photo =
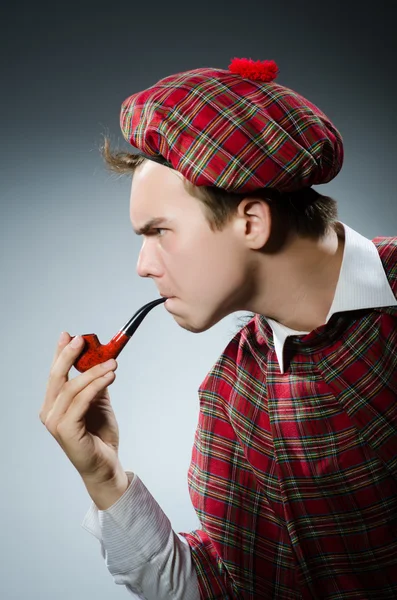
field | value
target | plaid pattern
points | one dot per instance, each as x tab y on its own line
220	129
294	476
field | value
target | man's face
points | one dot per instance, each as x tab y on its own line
204	272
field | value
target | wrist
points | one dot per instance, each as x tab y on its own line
105	494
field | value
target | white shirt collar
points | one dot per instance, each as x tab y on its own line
362	284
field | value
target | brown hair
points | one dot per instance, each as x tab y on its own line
304	212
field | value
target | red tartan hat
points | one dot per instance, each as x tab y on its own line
235	129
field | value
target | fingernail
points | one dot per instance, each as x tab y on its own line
109	363
76	341
62	337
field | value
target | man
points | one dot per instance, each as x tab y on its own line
293	472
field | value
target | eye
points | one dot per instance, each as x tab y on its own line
159	229
154	232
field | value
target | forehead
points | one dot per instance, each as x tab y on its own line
150	182
156	191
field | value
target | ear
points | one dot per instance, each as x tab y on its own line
254	221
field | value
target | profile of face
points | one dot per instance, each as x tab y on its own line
207	274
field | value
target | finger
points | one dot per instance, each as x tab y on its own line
62	342
64	358
67	356
82	402
73	388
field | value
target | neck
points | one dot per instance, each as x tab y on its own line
298	285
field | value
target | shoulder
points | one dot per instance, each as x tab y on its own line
239	360
387	249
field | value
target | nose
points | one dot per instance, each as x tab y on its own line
147	265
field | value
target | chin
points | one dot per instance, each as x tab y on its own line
195	327
198	323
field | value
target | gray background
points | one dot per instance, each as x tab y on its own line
68	252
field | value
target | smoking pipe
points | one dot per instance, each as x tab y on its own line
95	353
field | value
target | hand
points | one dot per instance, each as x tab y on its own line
79	415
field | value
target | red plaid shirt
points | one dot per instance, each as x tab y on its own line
294	475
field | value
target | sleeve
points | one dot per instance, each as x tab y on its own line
140	548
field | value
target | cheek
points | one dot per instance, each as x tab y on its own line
191	263
214	266
202	263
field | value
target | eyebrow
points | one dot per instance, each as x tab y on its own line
150	224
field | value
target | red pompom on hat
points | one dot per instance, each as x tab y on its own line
259	70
